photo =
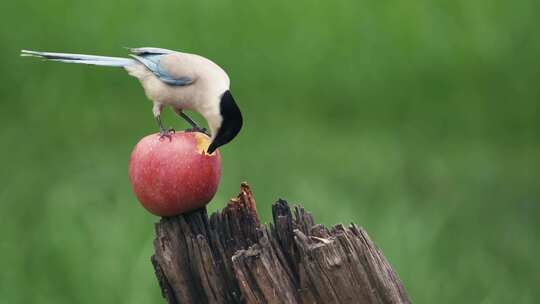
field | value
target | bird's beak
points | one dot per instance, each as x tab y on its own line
212	148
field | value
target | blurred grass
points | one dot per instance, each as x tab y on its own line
417	120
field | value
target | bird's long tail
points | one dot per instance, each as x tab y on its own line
81	58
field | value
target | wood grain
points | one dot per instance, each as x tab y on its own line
230	257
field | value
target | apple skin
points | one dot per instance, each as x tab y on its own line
170	177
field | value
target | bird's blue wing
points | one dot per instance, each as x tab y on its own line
151	61
149	51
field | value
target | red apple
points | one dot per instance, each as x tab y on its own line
173	176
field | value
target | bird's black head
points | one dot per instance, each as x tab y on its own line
231	123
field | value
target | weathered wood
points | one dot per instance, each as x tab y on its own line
232	258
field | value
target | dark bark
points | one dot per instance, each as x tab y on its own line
232	258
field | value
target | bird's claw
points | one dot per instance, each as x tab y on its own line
198	129
166	133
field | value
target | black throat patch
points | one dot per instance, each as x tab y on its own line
231	124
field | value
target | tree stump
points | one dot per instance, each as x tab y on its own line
232	258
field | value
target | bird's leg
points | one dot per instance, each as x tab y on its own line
163	132
194	126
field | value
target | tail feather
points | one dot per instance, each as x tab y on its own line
80	58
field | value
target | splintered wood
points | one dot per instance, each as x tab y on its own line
232	258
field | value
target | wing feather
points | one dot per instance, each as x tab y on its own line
152	62
149	51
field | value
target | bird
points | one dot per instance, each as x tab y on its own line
182	81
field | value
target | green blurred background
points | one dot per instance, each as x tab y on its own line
418	120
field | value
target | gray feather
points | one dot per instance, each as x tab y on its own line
152	63
149	51
80	58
